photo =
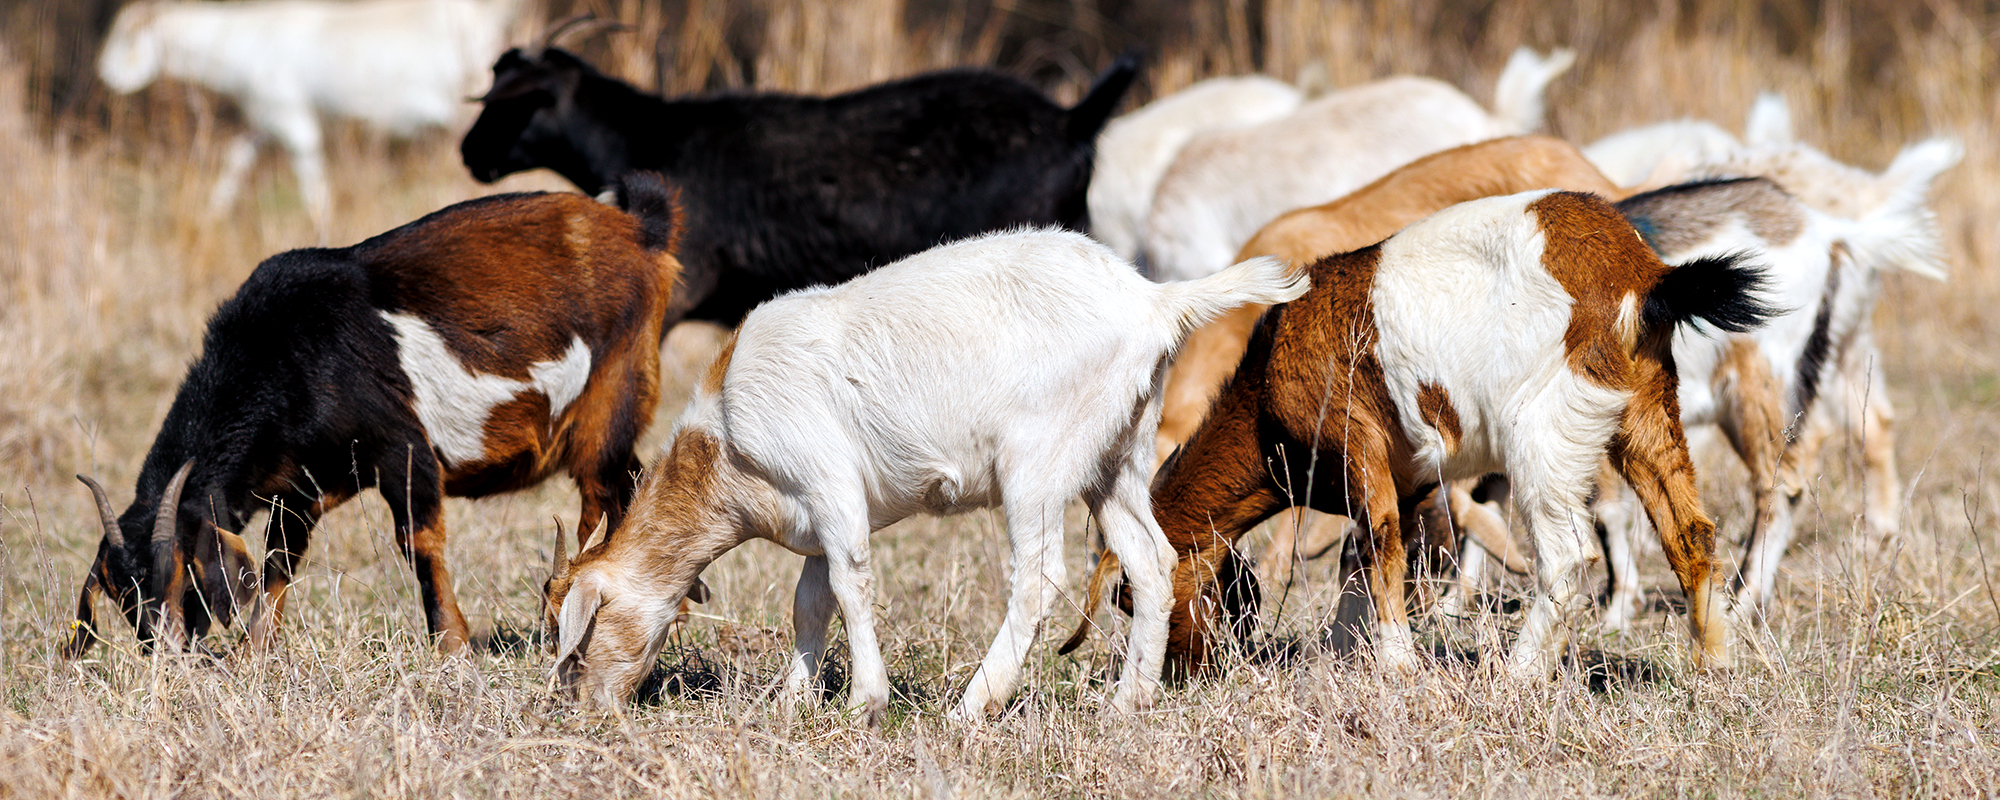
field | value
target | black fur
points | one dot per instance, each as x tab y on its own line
1720	290
1812	361
783	191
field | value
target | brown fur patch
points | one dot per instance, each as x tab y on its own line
1598	258
1364	217
1434	405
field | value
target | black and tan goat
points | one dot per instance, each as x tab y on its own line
475	351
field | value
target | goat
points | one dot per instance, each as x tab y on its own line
1135	149
398	65
1017	370
785	192
1368	215
1657	155
1528	334
472	352
1760	388
1224	185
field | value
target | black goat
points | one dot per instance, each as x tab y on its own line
474	351
785	191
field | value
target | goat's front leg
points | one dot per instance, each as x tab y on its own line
853	583
812	609
1382	559
286	533
413	483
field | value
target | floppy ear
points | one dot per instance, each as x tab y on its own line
576	620
235	576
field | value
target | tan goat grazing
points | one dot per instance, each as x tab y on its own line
1528	334
1370	214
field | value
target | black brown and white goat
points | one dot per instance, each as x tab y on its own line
475	351
1018	370
1528	334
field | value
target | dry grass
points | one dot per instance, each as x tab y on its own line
1879	673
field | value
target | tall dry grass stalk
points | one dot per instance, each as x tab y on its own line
1878	673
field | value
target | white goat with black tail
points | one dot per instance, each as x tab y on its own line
1017	370
398	65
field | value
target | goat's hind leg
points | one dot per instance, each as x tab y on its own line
1034	528
1753	420
1650	450
1135	538
237	159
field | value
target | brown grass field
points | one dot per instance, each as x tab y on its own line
1877	675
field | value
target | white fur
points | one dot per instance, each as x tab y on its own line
453	402
399	65
1891	230
1134	150
1019	370
1462	300
1225	185
1630	157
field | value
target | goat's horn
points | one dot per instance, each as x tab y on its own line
560	569
598	534
109	520
166	527
586	22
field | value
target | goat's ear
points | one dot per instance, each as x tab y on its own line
577	618
234	576
83	629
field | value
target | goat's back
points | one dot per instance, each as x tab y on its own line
1225	185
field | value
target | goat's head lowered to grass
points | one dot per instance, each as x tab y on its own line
167	562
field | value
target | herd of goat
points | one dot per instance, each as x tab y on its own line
1386	303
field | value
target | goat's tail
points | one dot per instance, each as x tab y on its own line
1188	305
1901	233
1517	96
657	206
1088	116
1724	291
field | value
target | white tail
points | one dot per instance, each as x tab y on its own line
1265	280
1902	233
1517	96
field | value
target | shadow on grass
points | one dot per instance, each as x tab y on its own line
1602	672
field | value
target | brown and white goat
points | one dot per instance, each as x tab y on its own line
475	351
1370	214
1528	334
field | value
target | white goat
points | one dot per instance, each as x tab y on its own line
1224	185
1017	370
398	65
1656	155
1815	368
1135	149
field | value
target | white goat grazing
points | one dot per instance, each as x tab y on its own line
1017	370
1224	185
1814	368
398	65
1135	149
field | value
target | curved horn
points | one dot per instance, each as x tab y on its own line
166	526
168	564
560	569
586	21
112	533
